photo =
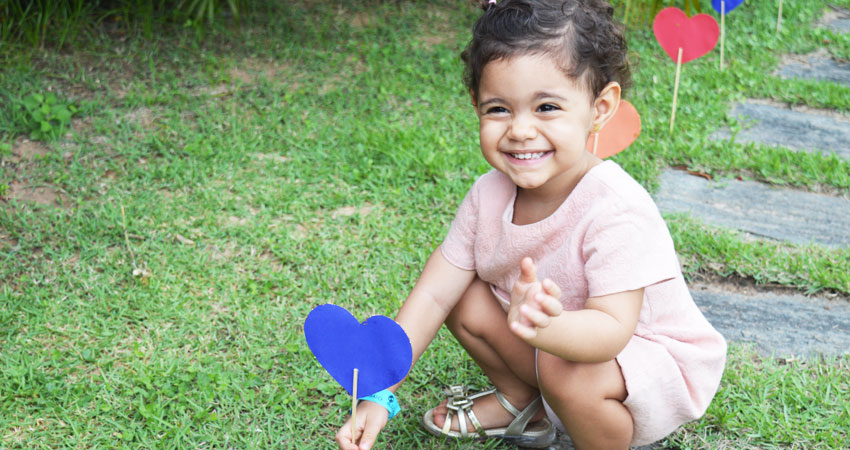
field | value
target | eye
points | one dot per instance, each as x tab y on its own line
496	110
547	107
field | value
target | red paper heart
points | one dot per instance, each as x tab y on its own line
695	36
618	133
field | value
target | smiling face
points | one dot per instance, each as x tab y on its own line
534	122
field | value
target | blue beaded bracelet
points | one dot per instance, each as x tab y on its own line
386	399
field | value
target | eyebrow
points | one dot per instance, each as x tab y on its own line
537	96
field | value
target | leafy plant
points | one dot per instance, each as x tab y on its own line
41	21
46	116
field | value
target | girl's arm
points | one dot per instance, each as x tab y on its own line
433	297
435	294
596	333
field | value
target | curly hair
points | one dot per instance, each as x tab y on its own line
581	35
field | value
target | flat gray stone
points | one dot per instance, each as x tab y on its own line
796	130
778	325
758	209
837	20
816	67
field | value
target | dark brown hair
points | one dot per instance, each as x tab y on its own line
581	35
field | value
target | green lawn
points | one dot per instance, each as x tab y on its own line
315	154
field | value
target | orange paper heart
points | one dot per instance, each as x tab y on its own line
618	133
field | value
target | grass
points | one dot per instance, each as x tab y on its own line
316	154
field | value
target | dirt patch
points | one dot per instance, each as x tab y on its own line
348	211
439	29
749	286
269	157
42	194
361	20
143	117
251	70
7	241
25	150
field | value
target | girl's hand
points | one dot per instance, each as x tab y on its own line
533	304
371	419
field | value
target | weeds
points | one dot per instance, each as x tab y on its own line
45	116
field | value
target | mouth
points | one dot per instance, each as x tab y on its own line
528	155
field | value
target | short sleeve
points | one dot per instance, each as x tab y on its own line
628	248
459	246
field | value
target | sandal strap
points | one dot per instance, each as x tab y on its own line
461	404
521	418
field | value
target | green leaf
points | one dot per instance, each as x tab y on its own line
62	114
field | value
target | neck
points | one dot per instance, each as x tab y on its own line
533	205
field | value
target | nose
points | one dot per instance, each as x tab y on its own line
522	128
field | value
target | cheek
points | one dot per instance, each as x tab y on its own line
489	132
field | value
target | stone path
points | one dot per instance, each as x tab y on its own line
758	209
796	325
816	66
837	20
783	325
809	131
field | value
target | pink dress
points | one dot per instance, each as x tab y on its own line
607	237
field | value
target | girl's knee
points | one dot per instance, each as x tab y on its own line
473	310
578	383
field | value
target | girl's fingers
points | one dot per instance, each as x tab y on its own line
527	271
523	331
536	317
551	288
548	304
344	439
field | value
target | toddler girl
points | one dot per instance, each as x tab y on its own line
558	275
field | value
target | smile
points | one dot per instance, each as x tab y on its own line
528	155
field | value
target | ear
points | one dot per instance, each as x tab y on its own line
606	104
473	99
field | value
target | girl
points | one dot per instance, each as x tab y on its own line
558	275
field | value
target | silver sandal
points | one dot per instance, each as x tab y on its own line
539	434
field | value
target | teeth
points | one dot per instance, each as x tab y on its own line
527	155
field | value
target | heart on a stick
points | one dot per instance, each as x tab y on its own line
729	6
378	348
618	133
695	36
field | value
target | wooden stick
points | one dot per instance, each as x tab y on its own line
676	89
722	30
779	18
354	407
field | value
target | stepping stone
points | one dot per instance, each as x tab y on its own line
779	325
821	132
837	20
817	66
758	209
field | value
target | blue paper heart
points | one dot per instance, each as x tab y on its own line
730	5
378	348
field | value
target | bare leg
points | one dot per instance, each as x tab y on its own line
588	398
479	323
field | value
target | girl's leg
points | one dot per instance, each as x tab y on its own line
480	324
588	398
